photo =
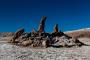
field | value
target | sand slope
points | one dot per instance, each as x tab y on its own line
79	33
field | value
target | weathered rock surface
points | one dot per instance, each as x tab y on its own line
17	34
56	28
42	24
42	39
66	42
27	42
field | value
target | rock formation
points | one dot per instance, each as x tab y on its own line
42	24
42	39
56	28
17	34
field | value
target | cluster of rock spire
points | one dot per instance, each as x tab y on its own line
42	26
41	38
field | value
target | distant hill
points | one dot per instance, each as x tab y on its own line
6	34
79	33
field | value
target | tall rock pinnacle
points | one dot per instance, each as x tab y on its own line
42	24
56	28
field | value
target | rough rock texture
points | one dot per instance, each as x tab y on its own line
17	34
63	41
27	42
42	24
42	39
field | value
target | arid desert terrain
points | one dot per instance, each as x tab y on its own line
13	52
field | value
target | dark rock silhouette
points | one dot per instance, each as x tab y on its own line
42	24
56	28
17	34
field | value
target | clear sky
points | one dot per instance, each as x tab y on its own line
69	14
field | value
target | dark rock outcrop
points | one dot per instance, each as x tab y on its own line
56	28
42	39
17	34
42	24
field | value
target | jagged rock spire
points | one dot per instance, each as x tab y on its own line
56	28
17	34
42	24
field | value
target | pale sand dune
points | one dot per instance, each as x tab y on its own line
79	33
85	40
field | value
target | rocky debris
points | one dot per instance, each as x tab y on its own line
42	39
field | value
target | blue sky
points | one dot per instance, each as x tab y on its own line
69	14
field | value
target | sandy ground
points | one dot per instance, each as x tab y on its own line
12	52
